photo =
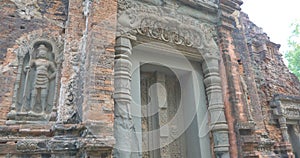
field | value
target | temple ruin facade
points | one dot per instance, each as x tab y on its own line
142	79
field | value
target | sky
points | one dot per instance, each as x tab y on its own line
274	16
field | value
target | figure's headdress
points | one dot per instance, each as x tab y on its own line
42	47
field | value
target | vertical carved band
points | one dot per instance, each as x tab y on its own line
218	123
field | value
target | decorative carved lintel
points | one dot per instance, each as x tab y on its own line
287	107
134	18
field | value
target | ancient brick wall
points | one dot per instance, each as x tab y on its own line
84	104
17	20
253	73
251	68
271	76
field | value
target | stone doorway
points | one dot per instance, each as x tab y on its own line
294	135
200	90
166	125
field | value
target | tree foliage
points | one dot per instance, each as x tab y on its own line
293	53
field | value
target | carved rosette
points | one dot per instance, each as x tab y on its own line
31	80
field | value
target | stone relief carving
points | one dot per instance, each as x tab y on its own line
40	72
287	108
27	145
297	129
39	64
157	22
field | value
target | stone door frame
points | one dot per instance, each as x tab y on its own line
134	20
286	110
188	71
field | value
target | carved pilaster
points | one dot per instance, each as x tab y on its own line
123	126
218	123
284	129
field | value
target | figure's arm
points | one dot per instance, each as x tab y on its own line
53	70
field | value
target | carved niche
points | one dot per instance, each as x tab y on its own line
35	92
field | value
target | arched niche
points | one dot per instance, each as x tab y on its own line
37	83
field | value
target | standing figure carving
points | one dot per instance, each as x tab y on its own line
44	71
40	57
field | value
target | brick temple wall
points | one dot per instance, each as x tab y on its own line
253	72
17	20
86	79
251	68
271	77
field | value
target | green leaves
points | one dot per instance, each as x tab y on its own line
293	53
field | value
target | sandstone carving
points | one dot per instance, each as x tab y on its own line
39	61
135	18
43	73
102	102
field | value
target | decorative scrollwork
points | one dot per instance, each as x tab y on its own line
156	23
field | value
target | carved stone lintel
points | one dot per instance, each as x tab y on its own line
287	107
134	18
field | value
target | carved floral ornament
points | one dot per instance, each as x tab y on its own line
135	18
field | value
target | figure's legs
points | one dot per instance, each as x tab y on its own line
44	93
33	99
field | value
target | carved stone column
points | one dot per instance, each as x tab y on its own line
123	125
218	123
284	129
